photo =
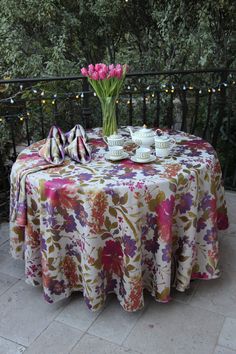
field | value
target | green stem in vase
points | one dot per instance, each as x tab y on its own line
108	105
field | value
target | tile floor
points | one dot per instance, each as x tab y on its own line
200	321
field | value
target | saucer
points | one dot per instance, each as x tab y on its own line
116	158
150	159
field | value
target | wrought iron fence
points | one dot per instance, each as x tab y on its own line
200	102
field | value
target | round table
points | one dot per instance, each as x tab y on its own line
118	227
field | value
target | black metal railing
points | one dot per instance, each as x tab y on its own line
200	102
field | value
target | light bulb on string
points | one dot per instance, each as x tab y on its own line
34	91
128	87
77	96
153	94
53	101
21	119
184	87
42	93
200	91
55	95
82	95
95	94
21	87
213	90
209	90
11	100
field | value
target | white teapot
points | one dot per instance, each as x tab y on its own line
163	145
114	140
143	137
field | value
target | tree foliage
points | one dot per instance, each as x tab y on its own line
57	37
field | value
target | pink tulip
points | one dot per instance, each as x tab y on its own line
111	67
119	73
102	74
98	67
118	67
95	75
112	73
84	72
91	69
104	67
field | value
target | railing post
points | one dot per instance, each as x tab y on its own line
222	105
85	108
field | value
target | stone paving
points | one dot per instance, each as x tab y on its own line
200	321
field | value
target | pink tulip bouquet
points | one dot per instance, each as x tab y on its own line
107	81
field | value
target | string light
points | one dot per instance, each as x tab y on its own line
213	90
42	93
21	119
128	102
209	90
21	87
82	95
55	95
43	101
11	100
190	88
135	88
35	91
184	87
153	94
172	90
128	87
117	101
94	94
77	96
1	119
53	101
148	88
166	90
219	89
200	91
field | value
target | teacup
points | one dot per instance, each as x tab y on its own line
114	140
163	145
116	151
143	153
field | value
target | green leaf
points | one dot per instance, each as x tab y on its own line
113	211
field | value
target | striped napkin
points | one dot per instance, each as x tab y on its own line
53	149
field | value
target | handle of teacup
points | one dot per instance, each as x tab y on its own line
173	142
105	139
158	130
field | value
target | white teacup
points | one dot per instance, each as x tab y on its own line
163	145
143	153
116	151
114	140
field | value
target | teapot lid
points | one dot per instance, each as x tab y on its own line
115	136
145	132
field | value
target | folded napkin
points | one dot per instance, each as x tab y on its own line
53	149
78	130
78	150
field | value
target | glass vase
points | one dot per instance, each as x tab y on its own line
109	124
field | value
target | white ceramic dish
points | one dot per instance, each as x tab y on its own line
150	159
125	155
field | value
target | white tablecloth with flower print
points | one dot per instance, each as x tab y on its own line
118	227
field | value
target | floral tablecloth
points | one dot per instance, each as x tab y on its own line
120	226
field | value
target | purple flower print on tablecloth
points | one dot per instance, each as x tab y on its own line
166	253
185	203
130	246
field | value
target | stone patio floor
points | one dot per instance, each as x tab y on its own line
200	321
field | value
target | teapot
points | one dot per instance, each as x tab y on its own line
163	145
114	140
143	137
